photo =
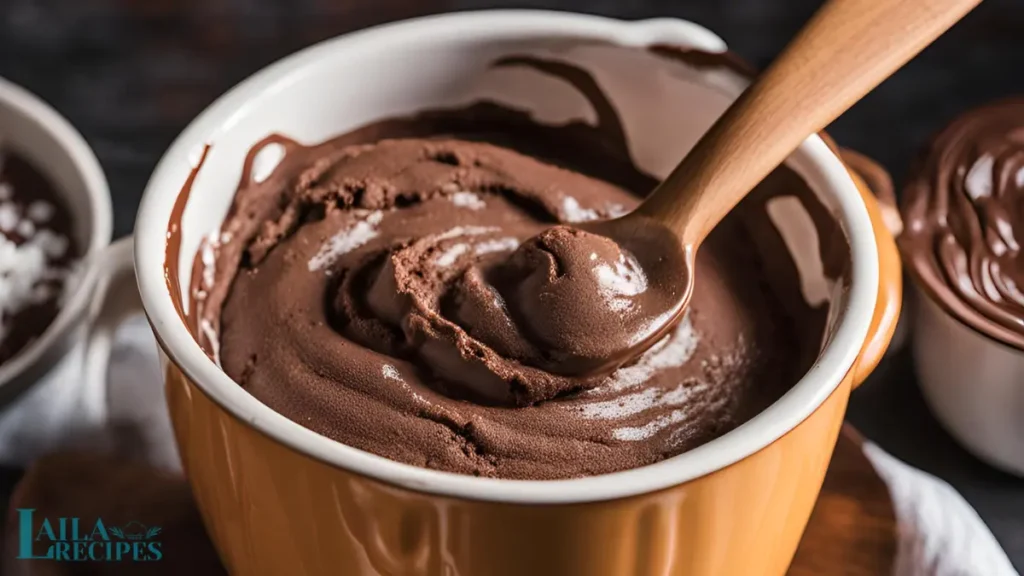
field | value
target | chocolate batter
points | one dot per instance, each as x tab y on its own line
36	253
963	211
379	291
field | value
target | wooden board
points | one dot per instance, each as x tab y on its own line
852	531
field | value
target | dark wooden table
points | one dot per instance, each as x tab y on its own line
131	73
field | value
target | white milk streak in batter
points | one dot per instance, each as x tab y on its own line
620	281
346	241
645	400
391	373
497	245
464	199
576	213
449	256
672	351
465	231
635	434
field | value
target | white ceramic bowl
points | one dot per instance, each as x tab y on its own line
53	391
973	383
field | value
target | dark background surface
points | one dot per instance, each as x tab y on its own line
130	74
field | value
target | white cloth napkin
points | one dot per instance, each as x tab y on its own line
939	533
51	415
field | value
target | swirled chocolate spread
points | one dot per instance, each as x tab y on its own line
36	253
404	288
963	212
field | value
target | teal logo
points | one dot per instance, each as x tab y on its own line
69	539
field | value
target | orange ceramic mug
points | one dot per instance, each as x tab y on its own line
279	499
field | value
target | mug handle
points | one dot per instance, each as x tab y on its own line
115	300
886	222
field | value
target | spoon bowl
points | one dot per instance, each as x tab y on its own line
667	266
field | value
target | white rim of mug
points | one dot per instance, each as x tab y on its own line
813	160
101	227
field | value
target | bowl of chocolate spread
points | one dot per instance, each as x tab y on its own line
357	264
962	208
56	265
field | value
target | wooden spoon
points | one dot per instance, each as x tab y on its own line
842	53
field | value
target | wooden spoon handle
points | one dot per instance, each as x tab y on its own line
846	50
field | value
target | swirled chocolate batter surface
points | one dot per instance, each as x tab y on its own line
376	289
